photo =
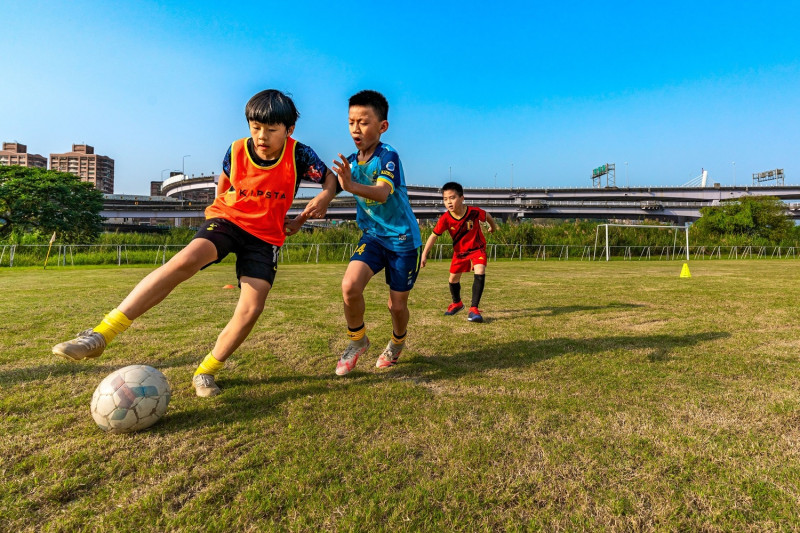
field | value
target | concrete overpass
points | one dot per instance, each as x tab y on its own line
673	204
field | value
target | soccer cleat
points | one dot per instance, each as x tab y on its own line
205	386
350	356
390	355
454	308
474	315
88	345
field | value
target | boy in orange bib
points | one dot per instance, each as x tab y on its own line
260	177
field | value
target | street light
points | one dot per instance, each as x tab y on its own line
734	172
162	173
183	165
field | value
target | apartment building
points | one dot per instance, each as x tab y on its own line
17	154
83	162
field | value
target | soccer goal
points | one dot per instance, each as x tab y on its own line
607	246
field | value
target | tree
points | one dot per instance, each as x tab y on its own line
44	201
755	216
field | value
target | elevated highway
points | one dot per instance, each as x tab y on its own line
673	204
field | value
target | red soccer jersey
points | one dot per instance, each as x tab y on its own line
465	231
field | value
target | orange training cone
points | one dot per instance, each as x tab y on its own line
228	287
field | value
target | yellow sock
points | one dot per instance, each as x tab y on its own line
210	365
398	339
113	323
357	334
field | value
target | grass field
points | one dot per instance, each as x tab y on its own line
611	396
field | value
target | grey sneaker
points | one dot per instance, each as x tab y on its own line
204	385
390	355
88	345
350	356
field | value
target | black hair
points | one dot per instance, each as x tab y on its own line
453	186
372	99
272	107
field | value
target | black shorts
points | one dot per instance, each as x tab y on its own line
254	257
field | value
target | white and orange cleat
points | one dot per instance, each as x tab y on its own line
350	356
390	355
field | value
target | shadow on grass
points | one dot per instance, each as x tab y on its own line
59	367
246	398
504	314
524	353
578	308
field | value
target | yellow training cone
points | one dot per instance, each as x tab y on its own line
685	271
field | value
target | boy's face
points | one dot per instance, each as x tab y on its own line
365	128
452	201
269	139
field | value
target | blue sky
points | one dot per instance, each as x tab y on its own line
476	89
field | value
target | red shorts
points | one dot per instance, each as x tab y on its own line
468	262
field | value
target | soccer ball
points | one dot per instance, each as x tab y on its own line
130	399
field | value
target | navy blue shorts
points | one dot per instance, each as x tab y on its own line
254	257
401	267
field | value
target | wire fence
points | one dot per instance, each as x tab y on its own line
129	254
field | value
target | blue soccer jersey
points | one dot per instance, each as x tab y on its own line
392	221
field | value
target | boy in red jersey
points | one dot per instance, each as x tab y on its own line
259	180
469	246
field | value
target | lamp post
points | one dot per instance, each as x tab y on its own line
162	173
183	165
734	172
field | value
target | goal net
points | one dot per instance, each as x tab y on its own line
675	249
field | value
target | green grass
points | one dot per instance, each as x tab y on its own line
612	396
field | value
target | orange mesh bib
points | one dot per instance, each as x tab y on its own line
259	197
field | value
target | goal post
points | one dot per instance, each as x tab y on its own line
607	246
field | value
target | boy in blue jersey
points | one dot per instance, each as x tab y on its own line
391	239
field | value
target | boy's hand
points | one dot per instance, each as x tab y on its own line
423	260
317	207
491	229
292	226
342	170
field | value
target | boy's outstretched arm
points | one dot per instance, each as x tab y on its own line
318	205
378	192
428	245
316	208
492	224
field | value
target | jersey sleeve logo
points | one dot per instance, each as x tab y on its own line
390	166
314	173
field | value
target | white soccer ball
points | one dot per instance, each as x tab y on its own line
130	399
